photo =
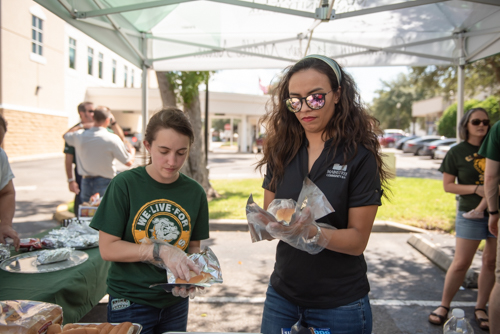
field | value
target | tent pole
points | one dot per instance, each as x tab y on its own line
461	83
144	95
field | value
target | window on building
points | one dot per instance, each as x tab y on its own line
91	61
125	76
37	35
132	78
100	66
72	53
113	72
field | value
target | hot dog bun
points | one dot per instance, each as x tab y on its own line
54	329
284	214
201	278
82	330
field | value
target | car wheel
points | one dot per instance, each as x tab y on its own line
418	151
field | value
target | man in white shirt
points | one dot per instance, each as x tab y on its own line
97	148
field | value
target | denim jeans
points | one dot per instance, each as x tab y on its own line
153	320
90	186
354	318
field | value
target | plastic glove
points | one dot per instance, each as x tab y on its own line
171	257
191	292
302	233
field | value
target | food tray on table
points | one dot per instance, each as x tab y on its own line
137	327
26	263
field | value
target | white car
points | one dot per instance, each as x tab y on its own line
442	150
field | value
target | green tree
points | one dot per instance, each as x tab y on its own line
183	88
392	107
482	75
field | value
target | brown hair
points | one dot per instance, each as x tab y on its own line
82	107
3	123
350	124
169	118
463	131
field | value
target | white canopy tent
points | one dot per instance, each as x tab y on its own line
193	35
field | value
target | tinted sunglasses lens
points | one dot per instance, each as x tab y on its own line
315	101
293	104
476	122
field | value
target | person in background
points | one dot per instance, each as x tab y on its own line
491	150
7	193
160	203
86	112
97	148
318	127
463	174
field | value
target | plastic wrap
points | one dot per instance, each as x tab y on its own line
28	317
4	252
310	197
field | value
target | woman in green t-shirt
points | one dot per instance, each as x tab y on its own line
156	203
463	174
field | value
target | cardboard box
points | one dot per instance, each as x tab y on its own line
86	211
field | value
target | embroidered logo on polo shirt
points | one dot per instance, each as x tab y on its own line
119	304
338	171
162	220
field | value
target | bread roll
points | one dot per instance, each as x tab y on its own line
201	278
284	214
54	329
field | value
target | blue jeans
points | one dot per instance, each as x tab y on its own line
90	186
153	320
354	318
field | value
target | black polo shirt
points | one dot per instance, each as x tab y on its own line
328	279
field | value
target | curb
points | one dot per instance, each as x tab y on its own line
440	258
62	213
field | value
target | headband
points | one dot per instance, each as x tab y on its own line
332	63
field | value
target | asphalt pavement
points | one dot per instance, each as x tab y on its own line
406	266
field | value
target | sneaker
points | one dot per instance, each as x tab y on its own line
473	214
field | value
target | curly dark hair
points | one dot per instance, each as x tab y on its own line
350	124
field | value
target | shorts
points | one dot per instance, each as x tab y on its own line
472	229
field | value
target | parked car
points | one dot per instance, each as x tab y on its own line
441	151
399	144
258	143
415	145
390	137
134	138
430	148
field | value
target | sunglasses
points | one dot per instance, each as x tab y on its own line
313	101
477	121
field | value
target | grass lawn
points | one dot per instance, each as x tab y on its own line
417	202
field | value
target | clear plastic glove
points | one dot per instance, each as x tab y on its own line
171	257
303	233
191	292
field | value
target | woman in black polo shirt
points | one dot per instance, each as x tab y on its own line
317	127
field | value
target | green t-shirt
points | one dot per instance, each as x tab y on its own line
136	206
464	162
491	145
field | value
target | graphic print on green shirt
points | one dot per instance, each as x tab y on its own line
163	220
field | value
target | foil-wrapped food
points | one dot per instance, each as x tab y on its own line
211	272
4	252
77	234
53	255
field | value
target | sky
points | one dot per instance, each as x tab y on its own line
368	79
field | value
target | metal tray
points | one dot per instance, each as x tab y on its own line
26	263
137	327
